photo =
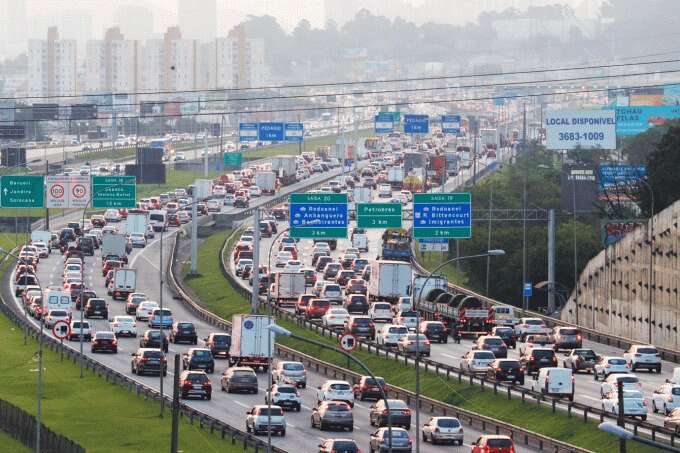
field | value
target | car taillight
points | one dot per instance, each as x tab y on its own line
185	382
628	365
207	384
114	342
427	341
669	399
385	412
644	402
115	324
436	430
407	411
578	337
608	365
554	359
143	360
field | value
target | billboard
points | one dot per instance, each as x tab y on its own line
613	175
613	231
578	185
45	112
635	120
570	129
151	108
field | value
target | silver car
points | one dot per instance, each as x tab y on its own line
288	372
333	414
443	429
259	419
408	344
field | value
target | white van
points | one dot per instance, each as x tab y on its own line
158	219
504	315
554	381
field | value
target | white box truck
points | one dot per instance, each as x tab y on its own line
57	299
390	280
362	194
249	345
395	177
124	283
287	287
113	244
136	223
266	181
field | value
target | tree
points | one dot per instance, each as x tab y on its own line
662	174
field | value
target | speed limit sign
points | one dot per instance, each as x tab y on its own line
348	342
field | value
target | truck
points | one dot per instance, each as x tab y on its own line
396	245
252	344
136	223
489	138
470	315
285	168
389	281
421	288
452	161
266	181
113	244
287	286
395	177
57	299
465	156
41	236
158	218
436	169
413	160
124	283
359	239
362	194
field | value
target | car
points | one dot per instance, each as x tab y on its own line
408	318
477	361
672	421
183	331
339	446
634	404
123	326
104	341
532	341
316	308
443	430
83	297
581	359
161	318
42	248
369	388
293	266
290	372
396	440
198	359
380	311
132	302
310	276
538	358
335	318
241	265
360	326
302	302
241	379
611	383
434	331
148	360
213	206
554	381
331	270
241	202
138	240
262	419
529	326
343	277
644	357
399	413
55	315
154	339
318	286
507	334
390	334
321	262
566	338
195	384
666	398
413	343
347	260
284	395
356	304
493	444
112	215
79	331
335	390
96	307
218	343
506	370
332	414
606	365
356	286
493	344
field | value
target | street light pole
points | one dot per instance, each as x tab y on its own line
489	253
614	429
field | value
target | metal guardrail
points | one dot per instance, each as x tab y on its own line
521	435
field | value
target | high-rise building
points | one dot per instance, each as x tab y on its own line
233	62
13	27
197	20
134	21
111	64
52	65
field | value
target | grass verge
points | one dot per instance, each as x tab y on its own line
100	416
215	293
430	260
309	145
9	445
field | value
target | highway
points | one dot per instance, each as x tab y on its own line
229	408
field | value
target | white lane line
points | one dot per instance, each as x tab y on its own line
240	404
357	427
306	407
449	355
291	425
590	398
149	261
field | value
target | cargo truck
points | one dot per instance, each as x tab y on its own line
114	244
266	181
396	245
124	283
472	316
395	177
465	156
389	281
285	168
452	160
287	287
251	342
136	223
421	289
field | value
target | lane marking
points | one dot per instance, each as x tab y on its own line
240	404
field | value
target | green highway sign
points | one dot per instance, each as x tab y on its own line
233	159
22	191
378	215
442	215
114	192
318	215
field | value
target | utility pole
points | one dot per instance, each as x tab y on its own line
255	300
524	125
551	262
525	299
205	154
174	439
194	232
620	419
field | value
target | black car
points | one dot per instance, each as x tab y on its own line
198	359
507	334
152	339
241	202
83	297
360	326
86	245
356	303
183	331
538	358
67	235
506	370
434	331
96	307
219	344
145	361
104	341
75	226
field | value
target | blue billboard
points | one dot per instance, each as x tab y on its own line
635	120
613	175
270	132
247	132
384	123
416	124
294	132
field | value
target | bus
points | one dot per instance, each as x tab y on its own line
165	144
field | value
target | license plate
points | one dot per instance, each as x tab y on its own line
197	387
544	360
97	312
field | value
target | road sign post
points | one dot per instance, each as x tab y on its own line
527	290
378	215
67	191
294	132
114	192
442	215
61	330
318	216
22	191
451	124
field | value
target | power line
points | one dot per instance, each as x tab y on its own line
372	92
349	83
381	104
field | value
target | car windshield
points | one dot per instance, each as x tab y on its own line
647	351
569	332
202	353
617	361
362	321
493	341
499	443
57	313
337	407
153	354
586	354
675	390
164	313
157	217
632	394
534	322
124	319
484	355
539	353
186	326
344	446
448	423
286	390
397	329
381	307
396	434
243	373
221	339
105	335
274	411
293	366
339	387
154	334
628	379
196	377
371	381
508	364
434	326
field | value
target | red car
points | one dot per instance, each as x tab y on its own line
316	308
110	265
493	444
302	302
310	276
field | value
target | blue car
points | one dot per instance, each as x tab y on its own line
155	319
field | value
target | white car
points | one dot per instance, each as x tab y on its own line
242	264
284	395
319	246
385	191
608	365
380	311
293	266
145	310
643	356
112	215
634	404
79	330
333	292
219	191
477	361
610	383
282	258
390	334
56	315
318	286
254	191
43	249
403	304
666	398
554	381
332	390
213	206
138	240
123	326
443	429
408	318
179	156
528	326
335	318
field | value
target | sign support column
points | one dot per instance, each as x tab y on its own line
255	295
